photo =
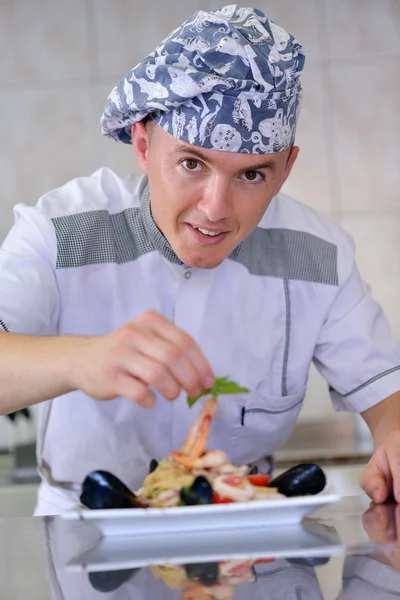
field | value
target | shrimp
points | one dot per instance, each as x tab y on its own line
236	571
235	487
214	592
196	440
196	592
211	460
221	591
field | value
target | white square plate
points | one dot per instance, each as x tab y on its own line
310	539
211	517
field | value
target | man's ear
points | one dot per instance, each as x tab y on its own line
141	144
294	152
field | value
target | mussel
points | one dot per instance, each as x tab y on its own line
153	465
200	492
205	573
109	581
313	561
302	480
102	489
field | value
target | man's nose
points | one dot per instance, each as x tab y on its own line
216	203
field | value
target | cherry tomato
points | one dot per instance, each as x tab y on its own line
259	480
217	499
262	561
233	480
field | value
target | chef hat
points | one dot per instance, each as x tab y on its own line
225	80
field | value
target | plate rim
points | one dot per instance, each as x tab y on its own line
80	513
91	567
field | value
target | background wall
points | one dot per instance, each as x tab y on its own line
61	59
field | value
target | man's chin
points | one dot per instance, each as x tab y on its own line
201	261
205	264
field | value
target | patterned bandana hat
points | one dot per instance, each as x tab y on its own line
224	80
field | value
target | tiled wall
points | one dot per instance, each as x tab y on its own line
60	60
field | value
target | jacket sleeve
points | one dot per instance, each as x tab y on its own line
29	299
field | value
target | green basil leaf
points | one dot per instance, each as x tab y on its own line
230	387
222	386
193	399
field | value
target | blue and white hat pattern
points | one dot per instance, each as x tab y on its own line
226	80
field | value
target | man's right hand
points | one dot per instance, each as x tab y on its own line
149	352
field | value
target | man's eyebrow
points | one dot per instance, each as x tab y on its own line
266	164
187	150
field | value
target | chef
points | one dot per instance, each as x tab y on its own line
121	297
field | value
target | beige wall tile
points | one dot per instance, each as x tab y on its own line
107	153
377	238
42	40
46	141
366	127
309	180
127	31
363	27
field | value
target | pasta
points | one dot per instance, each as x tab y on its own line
195	475
167	476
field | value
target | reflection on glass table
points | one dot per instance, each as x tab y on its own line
290	562
345	551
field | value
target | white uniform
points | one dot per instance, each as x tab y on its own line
89	258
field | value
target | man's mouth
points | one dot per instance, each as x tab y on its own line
207	231
207	236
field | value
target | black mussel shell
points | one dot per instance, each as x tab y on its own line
302	480
153	465
200	492
205	573
109	581
253	471
314	561
102	489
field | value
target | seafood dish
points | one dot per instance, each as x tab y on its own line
217	580
195	581
194	475
208	581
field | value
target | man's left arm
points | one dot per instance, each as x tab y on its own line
381	477
358	355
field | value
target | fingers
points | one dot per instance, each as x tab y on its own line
397	521
183	344
133	389
153	373
380	523
392	450
376	522
374	483
147	353
168	364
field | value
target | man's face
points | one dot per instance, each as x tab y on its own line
204	201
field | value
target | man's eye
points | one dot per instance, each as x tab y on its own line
191	164
253	176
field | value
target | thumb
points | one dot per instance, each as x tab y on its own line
373	482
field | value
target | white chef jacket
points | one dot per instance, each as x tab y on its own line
88	258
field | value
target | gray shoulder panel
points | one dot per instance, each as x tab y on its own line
97	237
288	254
3	326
